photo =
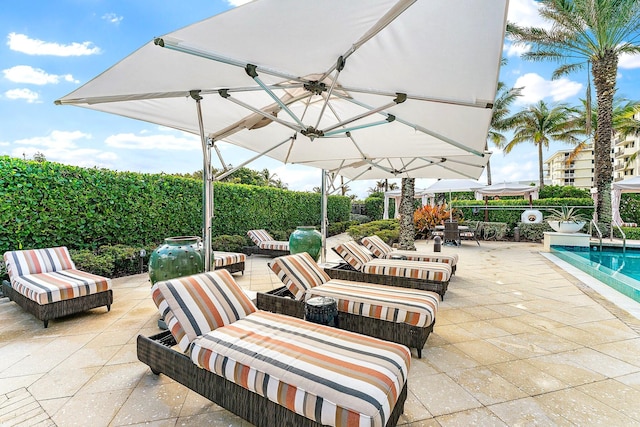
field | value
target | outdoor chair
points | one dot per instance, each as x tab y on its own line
46	283
268	368
361	266
265	245
470	234
401	315
380	249
233	262
451	233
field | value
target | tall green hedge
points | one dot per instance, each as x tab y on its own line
47	204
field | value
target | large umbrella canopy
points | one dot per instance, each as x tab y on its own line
363	88
631	185
360	88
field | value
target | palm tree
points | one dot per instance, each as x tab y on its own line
500	119
588	33
540	124
407	230
623	122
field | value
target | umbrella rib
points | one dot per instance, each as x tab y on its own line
185	47
251	71
420	129
259	111
246	162
390	117
475	104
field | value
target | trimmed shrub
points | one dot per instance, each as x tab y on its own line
387	229
227	243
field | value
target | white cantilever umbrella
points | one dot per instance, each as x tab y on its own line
360	88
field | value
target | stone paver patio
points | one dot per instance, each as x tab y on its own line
518	341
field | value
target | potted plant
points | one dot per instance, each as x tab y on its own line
565	220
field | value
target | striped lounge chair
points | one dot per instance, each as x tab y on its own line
268	368
46	283
265	245
401	315
233	262
380	249
361	266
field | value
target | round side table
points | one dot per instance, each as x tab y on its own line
322	310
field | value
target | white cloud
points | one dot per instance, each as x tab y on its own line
26	94
162	142
516	50
63	147
24	44
36	76
299	178
629	61
112	18
235	3
525	14
536	88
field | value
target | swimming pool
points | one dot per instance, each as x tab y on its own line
618	270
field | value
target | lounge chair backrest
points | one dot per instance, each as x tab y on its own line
376	245
35	261
258	236
195	305
353	253
299	273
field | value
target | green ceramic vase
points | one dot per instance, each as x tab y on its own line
306	239
177	257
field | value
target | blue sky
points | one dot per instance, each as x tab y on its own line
51	48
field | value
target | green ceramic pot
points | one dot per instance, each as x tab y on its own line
306	239
177	257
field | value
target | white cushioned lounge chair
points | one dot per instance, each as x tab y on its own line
46	283
401	315
361	266
265	244
380	249
268	368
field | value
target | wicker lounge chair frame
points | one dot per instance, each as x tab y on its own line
233	268
156	352
281	301
273	253
344	271
54	310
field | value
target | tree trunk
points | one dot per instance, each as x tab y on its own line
604	78
486	148
540	169
407	232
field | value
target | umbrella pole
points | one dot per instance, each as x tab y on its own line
207	192
323	214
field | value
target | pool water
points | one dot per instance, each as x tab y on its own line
617	269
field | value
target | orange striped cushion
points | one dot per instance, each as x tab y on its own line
328	375
425	257
435	271
45	288
223	259
274	245
401	305
299	273
34	261
376	245
258	236
353	253
195	305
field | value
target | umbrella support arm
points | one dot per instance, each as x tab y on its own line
252	72
246	162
